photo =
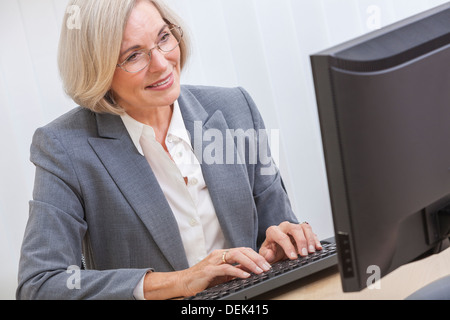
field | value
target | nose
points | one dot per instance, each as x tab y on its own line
158	62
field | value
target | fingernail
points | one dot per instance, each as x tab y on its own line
245	274
259	270
304	252
267	266
312	249
293	254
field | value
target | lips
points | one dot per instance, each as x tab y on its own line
162	83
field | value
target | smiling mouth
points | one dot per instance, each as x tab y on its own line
162	83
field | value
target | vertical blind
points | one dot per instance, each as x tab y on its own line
261	45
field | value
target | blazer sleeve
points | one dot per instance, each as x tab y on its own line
271	199
51	254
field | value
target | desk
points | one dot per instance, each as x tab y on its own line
399	284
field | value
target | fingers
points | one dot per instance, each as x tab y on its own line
292	239
270	252
247	259
229	271
278	235
221	266
305	238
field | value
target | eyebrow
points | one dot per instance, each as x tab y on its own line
140	46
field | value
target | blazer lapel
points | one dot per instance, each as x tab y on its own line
136	181
228	184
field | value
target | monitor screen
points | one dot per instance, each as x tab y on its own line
384	110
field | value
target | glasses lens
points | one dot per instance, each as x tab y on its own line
137	62
174	37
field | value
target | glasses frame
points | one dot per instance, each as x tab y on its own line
149	53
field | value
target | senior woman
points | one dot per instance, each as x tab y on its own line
120	183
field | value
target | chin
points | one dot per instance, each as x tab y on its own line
163	98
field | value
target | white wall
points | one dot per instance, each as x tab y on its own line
261	45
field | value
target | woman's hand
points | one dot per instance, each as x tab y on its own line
218	267
289	240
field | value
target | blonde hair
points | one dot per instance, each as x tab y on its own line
89	50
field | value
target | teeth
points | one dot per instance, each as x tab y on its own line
161	83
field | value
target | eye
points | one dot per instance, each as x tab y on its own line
135	56
165	37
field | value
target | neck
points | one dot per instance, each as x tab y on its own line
158	118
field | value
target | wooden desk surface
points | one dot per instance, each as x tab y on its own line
399	284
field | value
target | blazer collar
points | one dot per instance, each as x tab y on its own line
110	126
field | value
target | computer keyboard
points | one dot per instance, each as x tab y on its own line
281	273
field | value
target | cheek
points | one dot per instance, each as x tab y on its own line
174	58
124	82
117	81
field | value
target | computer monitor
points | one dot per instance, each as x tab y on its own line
384	110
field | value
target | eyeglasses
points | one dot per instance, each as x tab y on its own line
139	60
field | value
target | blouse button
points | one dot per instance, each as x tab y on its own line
193	181
193	222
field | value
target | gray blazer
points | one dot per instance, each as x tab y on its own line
95	196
